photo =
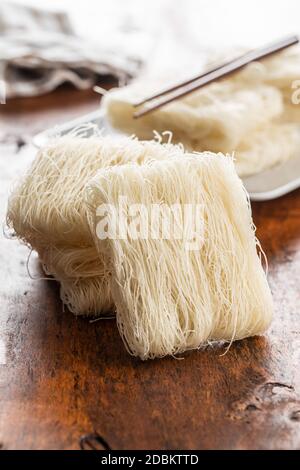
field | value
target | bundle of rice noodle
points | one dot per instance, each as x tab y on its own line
279	70
237	114
177	292
275	143
47	211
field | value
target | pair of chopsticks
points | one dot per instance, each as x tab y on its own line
211	75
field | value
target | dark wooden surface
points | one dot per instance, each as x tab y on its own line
65	377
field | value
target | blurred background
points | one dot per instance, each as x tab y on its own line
88	39
62	376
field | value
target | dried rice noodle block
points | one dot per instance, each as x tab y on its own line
269	146
217	117
169	298
279	70
291	113
47	211
237	114
87	296
84	278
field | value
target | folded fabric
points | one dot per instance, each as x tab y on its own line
39	50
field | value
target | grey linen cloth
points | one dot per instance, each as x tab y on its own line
39	50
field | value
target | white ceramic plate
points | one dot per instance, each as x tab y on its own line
264	186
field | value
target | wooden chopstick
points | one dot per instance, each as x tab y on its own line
217	73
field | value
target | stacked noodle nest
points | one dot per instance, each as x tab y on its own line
167	298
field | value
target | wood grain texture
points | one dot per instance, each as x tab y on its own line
65	377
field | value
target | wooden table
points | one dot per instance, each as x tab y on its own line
65	377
